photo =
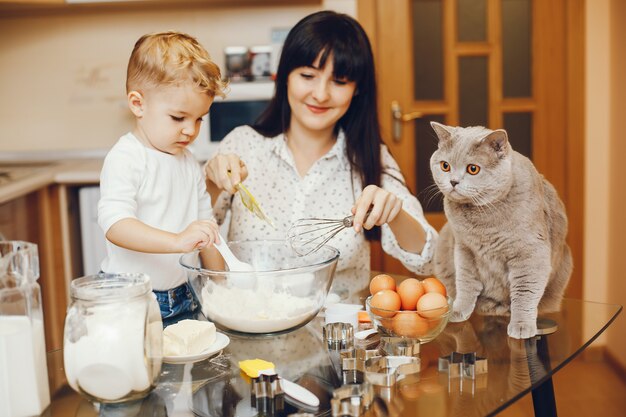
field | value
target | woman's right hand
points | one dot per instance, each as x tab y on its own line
226	171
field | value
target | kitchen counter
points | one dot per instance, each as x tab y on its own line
25	177
39	204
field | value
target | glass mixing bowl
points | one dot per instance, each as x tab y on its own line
284	292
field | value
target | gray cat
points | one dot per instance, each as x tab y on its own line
503	249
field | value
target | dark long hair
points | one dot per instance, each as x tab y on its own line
330	33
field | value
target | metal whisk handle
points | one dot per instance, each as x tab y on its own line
348	221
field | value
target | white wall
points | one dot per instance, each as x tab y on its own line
605	149
597	151
62	75
616	289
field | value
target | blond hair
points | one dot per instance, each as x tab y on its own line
171	58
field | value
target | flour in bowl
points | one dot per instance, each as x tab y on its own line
261	310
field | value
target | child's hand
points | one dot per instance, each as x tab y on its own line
384	206
226	171
197	235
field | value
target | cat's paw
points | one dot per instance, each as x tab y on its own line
522	329
459	315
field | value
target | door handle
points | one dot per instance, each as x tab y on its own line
397	118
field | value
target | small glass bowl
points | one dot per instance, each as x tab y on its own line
410	324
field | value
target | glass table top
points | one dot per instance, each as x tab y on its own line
215	386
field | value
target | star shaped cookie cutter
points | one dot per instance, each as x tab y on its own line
466	365
353	364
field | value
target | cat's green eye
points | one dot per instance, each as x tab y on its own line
445	167
473	169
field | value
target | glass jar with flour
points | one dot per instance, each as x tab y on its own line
24	387
112	345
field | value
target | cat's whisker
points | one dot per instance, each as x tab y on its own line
489	206
477	203
430	193
496	207
481	202
480	198
430	189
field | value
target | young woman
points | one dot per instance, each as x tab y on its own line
317	151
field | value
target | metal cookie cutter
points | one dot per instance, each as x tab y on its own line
387	370
353	364
360	355
399	346
466	365
338	336
351	400
266	395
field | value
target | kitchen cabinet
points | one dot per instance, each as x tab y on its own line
36	217
148	3
25	8
15	217
33	1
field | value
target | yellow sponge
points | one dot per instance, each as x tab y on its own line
252	367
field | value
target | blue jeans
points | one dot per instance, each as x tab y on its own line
176	304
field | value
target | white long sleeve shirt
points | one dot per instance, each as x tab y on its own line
328	190
167	192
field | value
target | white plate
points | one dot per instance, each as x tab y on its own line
221	341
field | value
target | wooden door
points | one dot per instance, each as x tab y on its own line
508	64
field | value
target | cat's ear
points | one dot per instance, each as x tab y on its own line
498	141
444	133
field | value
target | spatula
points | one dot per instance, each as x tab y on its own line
235	265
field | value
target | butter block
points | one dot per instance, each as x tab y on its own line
188	337
252	367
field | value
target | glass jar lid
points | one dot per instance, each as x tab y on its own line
109	287
19	263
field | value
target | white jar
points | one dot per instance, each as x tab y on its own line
24	387
113	337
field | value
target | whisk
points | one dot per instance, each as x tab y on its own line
308	235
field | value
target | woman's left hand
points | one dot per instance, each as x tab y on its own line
384	207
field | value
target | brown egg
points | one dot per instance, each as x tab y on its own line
410	290
432	305
382	282
432	284
385	300
409	324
